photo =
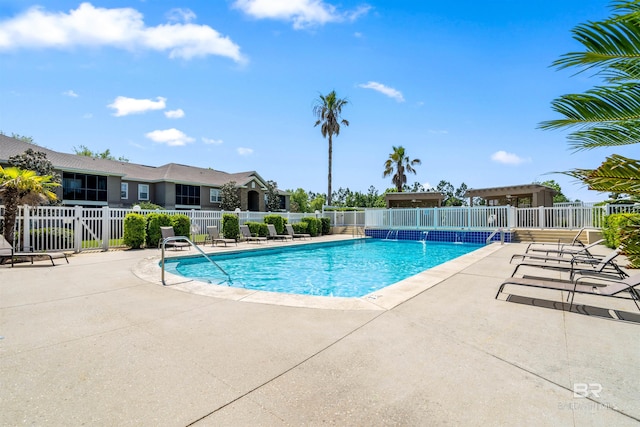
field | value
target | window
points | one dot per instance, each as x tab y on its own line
143	192
124	190
79	186
215	196
188	195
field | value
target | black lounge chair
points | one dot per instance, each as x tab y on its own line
8	253
612	287
214	236
295	235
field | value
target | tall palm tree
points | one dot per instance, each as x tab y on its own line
18	187
328	110
397	164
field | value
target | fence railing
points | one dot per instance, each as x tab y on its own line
77	228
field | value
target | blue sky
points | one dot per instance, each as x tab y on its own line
230	85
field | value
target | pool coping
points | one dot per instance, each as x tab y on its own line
383	299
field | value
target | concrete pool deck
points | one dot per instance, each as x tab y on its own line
97	342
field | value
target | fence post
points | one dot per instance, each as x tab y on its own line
511	216
541	221
436	217
106	229
26	226
77	229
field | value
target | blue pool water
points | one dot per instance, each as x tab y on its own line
342	269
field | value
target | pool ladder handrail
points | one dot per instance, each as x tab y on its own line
186	239
496	231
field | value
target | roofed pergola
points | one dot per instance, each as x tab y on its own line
532	195
414	200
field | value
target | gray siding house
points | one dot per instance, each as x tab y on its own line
87	181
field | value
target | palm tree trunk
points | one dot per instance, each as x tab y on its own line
329	175
10	214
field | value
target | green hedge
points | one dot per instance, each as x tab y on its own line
181	225
277	220
326	225
154	222
258	228
135	232
230	226
613	225
300	227
314	225
43	239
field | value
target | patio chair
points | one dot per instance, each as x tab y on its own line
575	265
273	234
167	232
214	236
295	235
611	288
8	253
544	246
246	235
559	253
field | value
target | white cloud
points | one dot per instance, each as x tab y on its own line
172	137
508	158
180	15
245	151
70	93
125	106
438	131
119	27
385	90
303	13
211	141
174	114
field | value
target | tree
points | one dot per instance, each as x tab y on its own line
35	161
230	199
558	197
83	150
328	111
316	203
19	187
397	164
452	197
299	200
273	198
19	137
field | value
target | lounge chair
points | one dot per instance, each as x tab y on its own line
167	232
295	235
582	251
576	265
8	253
214	237
544	246
273	234
611	288
246	235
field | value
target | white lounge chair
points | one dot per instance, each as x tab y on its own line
8	253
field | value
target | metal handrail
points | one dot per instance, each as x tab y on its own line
496	231
184	238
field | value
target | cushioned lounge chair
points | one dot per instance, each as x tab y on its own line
295	235
214	237
611	288
7	253
273	234
576	265
168	232
246	235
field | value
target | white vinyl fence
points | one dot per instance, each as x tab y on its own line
76	228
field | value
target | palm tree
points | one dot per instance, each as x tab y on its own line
327	111
18	187
397	164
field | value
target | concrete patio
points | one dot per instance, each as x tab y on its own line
100	341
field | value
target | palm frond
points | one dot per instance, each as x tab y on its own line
617	174
605	135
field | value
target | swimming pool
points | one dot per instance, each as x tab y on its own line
341	269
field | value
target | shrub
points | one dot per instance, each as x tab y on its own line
313	225
148	206
181	225
154	222
300	227
43	239
258	228
230	226
326	225
613	225
277	221
135	231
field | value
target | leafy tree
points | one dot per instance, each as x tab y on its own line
559	197
22	138
328	111
83	150
230	198
35	161
19	187
273	198
415	188
299	201
452	197
607	115
316	203
397	164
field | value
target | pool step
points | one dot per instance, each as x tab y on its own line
563	236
